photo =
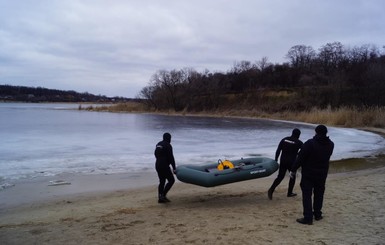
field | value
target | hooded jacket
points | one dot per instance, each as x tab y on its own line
314	156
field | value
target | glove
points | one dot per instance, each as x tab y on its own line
292	175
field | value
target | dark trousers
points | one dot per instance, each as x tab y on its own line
283	168
165	174
312	185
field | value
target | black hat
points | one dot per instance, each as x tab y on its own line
296	132
321	130
167	137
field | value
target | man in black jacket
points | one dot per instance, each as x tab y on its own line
289	147
164	158
314	160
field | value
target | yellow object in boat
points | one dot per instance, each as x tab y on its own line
226	164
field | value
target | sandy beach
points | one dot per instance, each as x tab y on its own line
111	211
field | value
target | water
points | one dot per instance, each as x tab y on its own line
50	139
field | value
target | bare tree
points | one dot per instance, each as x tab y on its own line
263	63
242	66
147	93
301	56
331	56
168	82
363	53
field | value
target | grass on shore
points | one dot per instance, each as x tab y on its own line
344	116
120	107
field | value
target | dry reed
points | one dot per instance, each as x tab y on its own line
344	116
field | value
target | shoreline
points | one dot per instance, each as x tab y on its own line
238	213
47	189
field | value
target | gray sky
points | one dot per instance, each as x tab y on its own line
113	47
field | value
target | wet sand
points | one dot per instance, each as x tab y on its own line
121	209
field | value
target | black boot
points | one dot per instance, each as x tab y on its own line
163	199
166	199
291	194
305	221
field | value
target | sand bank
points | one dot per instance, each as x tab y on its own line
354	213
45	189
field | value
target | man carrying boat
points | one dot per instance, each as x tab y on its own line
288	148
164	158
314	160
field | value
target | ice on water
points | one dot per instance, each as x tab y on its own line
49	139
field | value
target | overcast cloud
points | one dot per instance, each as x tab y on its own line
114	47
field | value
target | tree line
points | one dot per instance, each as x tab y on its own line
332	76
39	94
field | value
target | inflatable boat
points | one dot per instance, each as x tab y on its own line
226	172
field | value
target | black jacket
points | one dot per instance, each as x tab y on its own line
289	147
164	155
314	157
